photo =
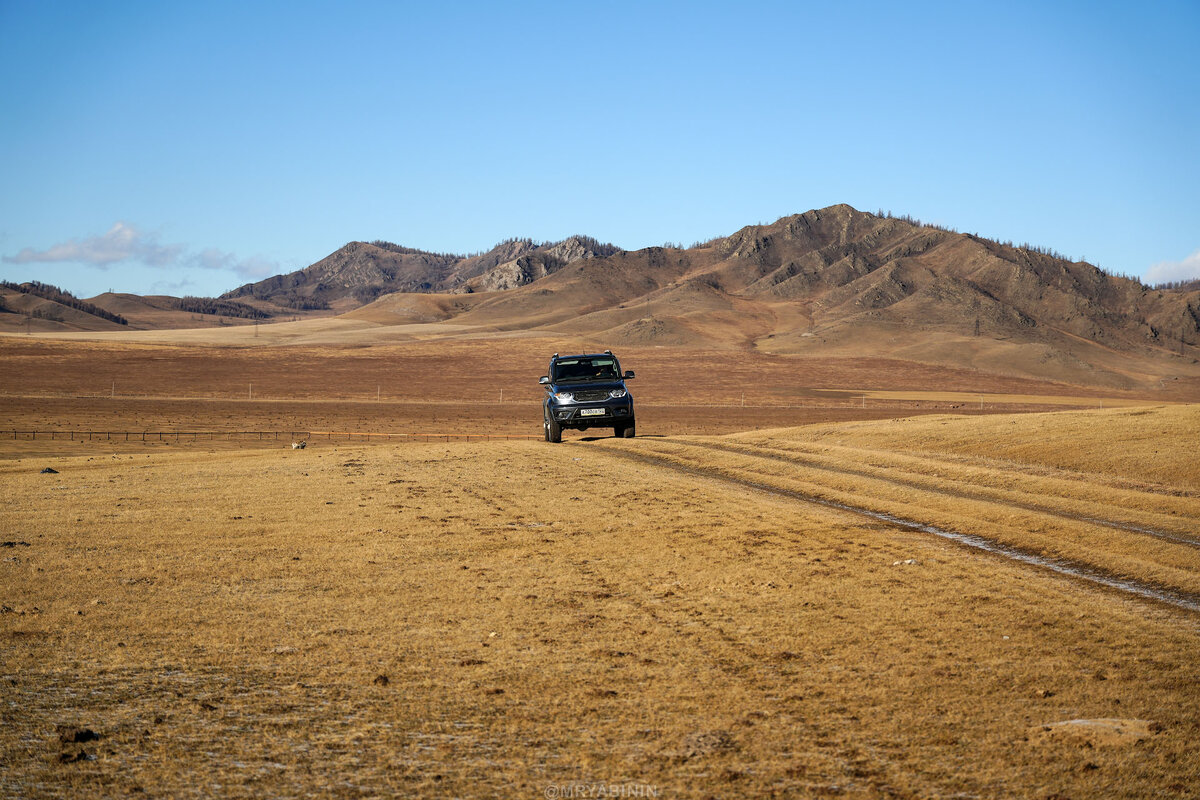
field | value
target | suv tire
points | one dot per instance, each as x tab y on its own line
625	431
553	430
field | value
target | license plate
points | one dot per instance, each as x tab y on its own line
591	412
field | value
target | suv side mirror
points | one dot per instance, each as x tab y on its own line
628	374
544	380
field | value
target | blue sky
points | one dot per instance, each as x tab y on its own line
187	148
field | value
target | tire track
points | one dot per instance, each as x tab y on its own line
757	452
1078	570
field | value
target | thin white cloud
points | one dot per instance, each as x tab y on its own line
254	268
122	242
257	268
177	288
212	258
1170	271
125	243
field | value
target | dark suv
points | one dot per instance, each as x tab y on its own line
586	391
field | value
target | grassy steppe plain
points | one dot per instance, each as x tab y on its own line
503	618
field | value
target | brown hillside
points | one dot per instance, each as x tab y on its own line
414	308
360	272
839	280
155	312
21	312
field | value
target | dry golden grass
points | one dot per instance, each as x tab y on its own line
493	619
1111	490
1149	444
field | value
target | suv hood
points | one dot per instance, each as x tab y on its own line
577	386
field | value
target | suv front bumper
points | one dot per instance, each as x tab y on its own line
592	415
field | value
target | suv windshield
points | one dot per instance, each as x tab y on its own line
571	370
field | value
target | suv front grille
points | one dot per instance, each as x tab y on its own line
591	395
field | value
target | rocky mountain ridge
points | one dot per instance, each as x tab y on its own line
359	272
831	281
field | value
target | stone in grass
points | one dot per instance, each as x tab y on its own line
76	734
71	739
1105	732
49	471
70	754
706	743
381	680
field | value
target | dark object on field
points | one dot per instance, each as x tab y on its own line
71	739
381	680
76	734
14	544
73	753
49	471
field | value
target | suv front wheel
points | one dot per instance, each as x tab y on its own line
624	431
553	429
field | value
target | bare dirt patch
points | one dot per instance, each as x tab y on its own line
114	392
1097	732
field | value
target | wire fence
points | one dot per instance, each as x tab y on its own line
286	436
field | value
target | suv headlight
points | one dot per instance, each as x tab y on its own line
619	392
564	397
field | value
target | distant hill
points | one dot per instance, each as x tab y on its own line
35	306
832	281
1180	286
156	312
362	271
837	280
